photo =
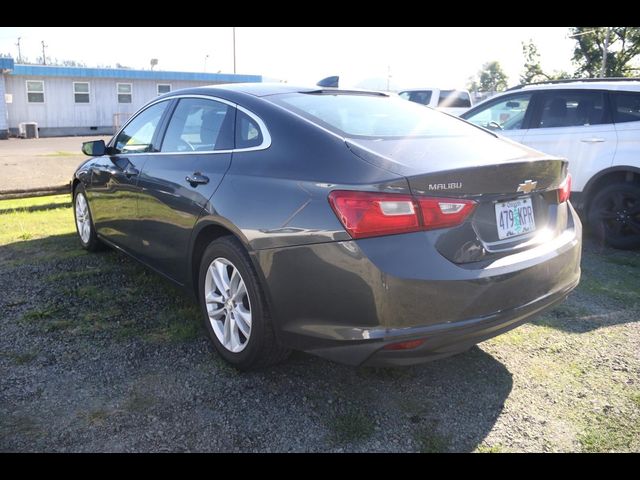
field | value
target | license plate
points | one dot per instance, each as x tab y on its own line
515	218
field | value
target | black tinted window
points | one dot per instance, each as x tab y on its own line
423	96
454	99
570	109
137	136
626	107
199	125
248	132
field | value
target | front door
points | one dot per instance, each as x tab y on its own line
176	183
114	190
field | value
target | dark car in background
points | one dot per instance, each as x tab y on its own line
352	225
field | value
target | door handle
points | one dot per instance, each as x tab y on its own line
130	171
592	140
196	179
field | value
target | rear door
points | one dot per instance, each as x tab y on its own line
507	116
626	117
576	125
114	190
177	182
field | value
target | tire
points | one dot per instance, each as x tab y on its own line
614	216
257	349
88	239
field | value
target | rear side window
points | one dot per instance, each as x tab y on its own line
626	107
248	132
199	125
454	99
572	109
422	97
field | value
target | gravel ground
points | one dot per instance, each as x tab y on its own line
99	355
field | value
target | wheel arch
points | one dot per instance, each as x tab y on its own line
208	230
619	173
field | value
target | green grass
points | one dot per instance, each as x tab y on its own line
24	358
353	426
96	417
490	449
635	399
139	402
42	313
179	324
61	153
610	434
430	441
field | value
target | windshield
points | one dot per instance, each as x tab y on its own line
373	116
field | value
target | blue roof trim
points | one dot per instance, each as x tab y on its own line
6	63
83	72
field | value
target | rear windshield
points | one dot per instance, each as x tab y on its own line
373	116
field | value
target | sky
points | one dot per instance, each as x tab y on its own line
443	57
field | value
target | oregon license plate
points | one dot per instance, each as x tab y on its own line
515	218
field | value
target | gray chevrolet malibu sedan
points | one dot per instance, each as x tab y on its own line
348	224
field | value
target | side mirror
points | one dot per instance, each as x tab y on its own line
95	148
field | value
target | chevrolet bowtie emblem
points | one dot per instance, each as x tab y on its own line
527	187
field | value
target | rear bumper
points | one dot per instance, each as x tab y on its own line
346	300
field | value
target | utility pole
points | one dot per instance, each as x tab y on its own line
388	76
234	50
605	52
19	53
205	61
44	58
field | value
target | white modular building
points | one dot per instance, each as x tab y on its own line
85	101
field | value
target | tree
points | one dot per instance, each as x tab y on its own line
491	78
623	51
533	70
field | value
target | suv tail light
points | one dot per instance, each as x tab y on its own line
564	190
370	214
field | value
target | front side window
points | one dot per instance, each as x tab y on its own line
572	109
454	99
374	116
137	136
163	88
35	91
504	114
423	97
626	107
124	92
199	125
81	92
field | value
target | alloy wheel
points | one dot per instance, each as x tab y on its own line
83	220
228	304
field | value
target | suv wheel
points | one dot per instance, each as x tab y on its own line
614	215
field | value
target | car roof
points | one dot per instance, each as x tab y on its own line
631	84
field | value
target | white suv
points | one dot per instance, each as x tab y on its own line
593	124
454	102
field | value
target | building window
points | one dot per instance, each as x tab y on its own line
124	93
35	91
81	92
163	88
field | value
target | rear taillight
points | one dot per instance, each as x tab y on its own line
370	214
564	190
